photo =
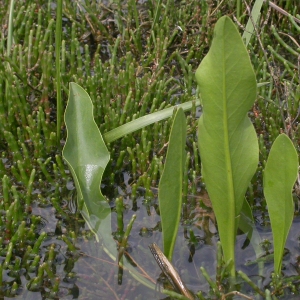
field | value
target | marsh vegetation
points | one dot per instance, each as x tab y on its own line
133	58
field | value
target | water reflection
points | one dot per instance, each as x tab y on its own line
102	270
91	272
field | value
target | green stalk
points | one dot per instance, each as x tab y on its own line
10	26
58	34
238	9
9	44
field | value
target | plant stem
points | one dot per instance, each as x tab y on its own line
58	34
10	26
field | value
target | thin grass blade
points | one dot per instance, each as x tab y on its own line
145	121
252	21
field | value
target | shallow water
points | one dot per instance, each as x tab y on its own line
94	265
90	273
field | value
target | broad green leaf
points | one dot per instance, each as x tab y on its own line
279	178
85	152
170	185
144	121
227	139
87	156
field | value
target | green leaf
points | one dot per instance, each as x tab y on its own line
144	121
227	139
85	152
170	185
87	157
279	177
255	15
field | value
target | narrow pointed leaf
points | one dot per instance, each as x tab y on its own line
279	177
144	121
252	21
170	185
227	139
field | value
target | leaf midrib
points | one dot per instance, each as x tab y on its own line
231	199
